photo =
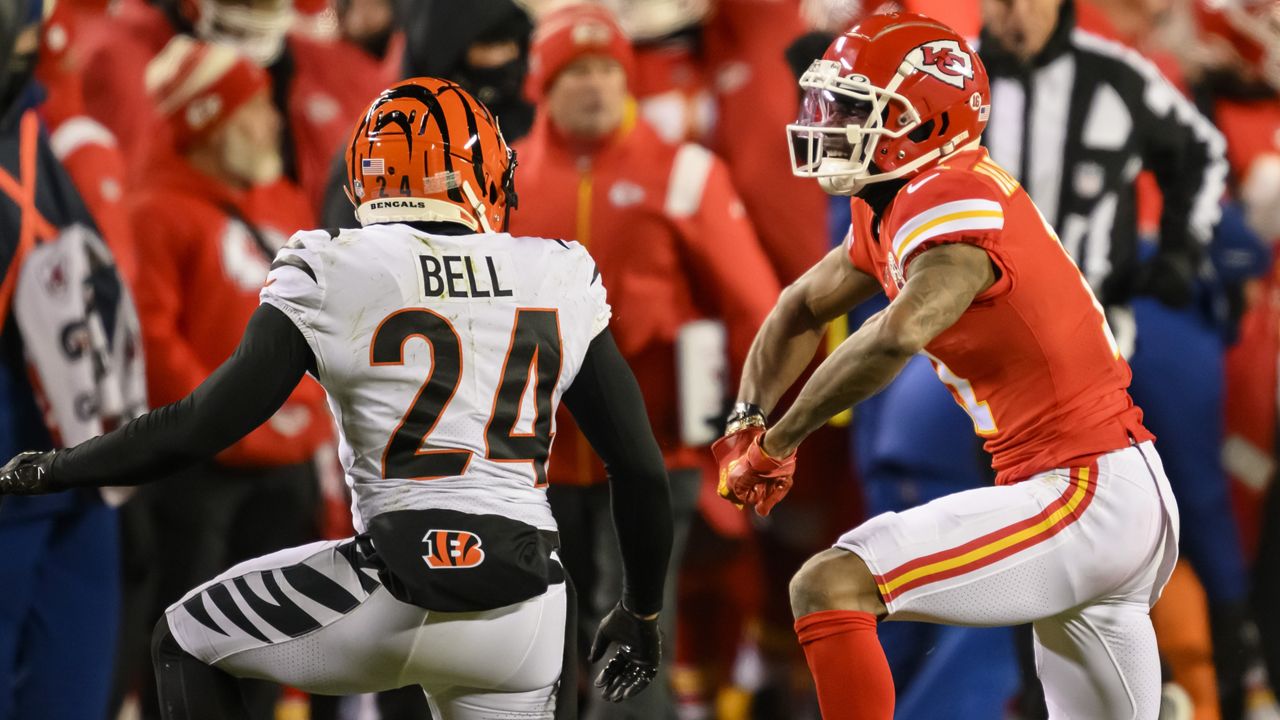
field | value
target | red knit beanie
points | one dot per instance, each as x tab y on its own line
198	86
566	34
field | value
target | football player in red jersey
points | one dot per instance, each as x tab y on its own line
1080	532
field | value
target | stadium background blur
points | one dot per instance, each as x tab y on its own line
685	196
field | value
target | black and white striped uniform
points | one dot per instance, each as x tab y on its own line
444	358
317	617
1078	123
445	355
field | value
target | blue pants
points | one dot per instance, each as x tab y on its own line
59	607
1178	383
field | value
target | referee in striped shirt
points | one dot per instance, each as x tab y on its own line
1075	117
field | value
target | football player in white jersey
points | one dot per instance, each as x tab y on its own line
445	346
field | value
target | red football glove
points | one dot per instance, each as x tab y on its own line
748	475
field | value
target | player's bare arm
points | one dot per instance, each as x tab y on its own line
942	284
791	333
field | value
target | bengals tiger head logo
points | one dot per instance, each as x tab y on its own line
452	549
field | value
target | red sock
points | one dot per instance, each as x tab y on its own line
848	665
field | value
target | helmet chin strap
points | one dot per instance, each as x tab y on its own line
851	182
476	205
838	177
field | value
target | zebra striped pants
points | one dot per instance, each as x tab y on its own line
317	618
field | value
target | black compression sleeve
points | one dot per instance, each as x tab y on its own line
238	397
607	405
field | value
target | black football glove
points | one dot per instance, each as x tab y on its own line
635	664
1169	277
27	474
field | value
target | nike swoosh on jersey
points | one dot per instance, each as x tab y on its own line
919	184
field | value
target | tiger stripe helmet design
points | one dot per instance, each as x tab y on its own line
426	150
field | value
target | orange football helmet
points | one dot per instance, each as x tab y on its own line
426	150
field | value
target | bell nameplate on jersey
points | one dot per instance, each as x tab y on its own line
463	276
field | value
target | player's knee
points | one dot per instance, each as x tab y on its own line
835	580
163	643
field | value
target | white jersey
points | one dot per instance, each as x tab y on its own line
444	358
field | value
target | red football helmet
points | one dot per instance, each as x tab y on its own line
1252	27
889	98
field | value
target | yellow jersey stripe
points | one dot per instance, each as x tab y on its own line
1081	490
902	244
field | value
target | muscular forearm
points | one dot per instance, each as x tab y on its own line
944	281
782	349
860	367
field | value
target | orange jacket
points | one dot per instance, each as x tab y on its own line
202	271
673	244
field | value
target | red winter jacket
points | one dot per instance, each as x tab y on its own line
202	270
673	244
329	84
86	148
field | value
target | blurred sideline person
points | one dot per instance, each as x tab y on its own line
84	146
316	84
977	281
209	219
482	45
371	25
1241	84
70	368
671	239
446	346
1079	160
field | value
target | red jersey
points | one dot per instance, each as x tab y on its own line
1252	129
1031	360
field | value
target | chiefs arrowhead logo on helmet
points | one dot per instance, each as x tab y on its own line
944	60
452	549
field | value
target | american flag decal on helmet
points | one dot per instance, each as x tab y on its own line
372	166
452	549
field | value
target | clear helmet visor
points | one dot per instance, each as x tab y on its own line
830	125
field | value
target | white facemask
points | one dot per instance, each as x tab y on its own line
259	33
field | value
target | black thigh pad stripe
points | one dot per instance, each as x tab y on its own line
295	262
195	606
284	615
351	554
222	599
323	590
